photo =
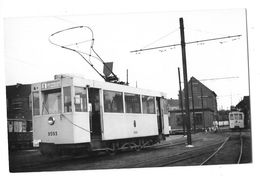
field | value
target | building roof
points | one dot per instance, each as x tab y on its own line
205	87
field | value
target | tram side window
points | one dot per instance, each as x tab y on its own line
67	99
132	103
80	99
36	104
113	101
148	103
51	102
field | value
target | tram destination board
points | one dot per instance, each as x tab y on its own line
50	85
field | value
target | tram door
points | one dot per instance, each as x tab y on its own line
95	123
159	115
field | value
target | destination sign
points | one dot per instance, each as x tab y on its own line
50	85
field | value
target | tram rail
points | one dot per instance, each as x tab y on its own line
160	155
239	156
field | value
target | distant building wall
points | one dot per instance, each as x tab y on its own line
244	106
19	112
205	107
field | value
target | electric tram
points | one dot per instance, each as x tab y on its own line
236	120
73	114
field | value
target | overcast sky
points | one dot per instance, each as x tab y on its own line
30	57
122	26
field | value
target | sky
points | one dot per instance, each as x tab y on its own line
26	56
30	57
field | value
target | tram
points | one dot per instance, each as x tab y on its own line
236	120
73	114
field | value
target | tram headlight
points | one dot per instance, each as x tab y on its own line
51	120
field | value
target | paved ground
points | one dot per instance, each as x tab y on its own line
25	160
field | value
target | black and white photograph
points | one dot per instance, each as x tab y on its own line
129	88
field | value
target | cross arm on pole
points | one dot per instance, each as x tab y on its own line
191	42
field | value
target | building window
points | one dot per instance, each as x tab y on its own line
51	101
113	101
132	103
179	120
28	126
198	117
18	126
80	100
148	104
36	103
10	126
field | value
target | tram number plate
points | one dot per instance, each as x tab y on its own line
55	133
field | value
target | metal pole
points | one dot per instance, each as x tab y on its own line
181	103
192	100
248	70
127	77
186	93
203	118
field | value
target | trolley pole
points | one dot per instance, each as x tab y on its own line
186	93
181	103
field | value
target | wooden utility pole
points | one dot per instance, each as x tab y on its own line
203	118
127	83
186	91
181	103
192	101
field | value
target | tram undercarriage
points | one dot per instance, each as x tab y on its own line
109	146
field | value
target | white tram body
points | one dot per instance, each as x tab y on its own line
72	112
236	119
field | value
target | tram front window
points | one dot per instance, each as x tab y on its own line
67	99
36	104
51	102
80	99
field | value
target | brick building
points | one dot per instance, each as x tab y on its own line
244	106
203	108
19	115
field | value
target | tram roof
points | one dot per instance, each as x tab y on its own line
81	81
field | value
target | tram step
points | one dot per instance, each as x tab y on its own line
96	144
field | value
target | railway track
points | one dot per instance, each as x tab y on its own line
168	154
236	156
45	163
197	156
171	159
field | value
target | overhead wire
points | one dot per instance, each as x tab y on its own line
159	39
205	32
219	78
33	66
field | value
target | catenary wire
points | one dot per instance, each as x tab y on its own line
164	36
